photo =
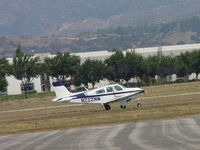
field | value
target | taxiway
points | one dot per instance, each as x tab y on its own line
173	134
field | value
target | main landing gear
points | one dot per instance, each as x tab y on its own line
107	106
123	106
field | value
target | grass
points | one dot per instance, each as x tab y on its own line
29	95
93	114
99	118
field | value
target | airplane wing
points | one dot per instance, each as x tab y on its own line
124	98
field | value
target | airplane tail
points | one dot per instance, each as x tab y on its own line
60	90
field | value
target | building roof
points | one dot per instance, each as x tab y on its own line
93	54
185	47
102	55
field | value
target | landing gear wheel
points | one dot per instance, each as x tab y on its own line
123	107
107	107
139	105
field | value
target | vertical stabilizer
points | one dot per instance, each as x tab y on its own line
61	90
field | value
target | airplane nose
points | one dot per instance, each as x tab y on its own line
142	91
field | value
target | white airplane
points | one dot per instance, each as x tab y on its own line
104	95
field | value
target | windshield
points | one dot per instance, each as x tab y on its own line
118	88
123	86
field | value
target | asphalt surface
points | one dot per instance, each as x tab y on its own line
174	134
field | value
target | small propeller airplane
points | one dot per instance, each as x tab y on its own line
104	95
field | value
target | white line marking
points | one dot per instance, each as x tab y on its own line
60	106
40	108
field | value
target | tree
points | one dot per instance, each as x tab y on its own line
166	66
162	66
135	65
62	66
91	71
3	71
116	64
152	64
195	62
185	61
181	67
24	68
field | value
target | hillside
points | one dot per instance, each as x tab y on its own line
182	31
70	17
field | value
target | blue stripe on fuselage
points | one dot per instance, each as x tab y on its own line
80	95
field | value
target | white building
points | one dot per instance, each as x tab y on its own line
173	50
15	86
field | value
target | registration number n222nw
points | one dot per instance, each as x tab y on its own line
90	99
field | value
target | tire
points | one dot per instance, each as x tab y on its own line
107	107
139	105
123	107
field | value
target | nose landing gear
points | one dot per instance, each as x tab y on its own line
139	105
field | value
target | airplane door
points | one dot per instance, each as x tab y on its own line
110	93
117	89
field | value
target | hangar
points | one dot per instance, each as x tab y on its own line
38	84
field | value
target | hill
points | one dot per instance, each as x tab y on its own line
184	31
70	17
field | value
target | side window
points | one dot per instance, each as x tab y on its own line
109	89
100	91
118	88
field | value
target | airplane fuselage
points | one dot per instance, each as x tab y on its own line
105	97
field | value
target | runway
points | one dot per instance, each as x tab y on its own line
174	134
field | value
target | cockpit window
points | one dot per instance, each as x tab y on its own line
100	91
118	88
109	89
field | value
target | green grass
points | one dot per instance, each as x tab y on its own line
29	95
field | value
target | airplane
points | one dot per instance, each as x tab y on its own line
104	95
